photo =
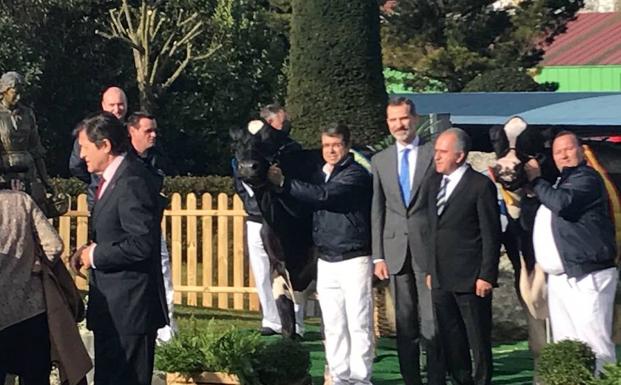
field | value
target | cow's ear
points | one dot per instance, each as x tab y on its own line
255	126
236	133
499	139
548	134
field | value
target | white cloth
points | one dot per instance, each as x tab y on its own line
260	264
346	300
546	252
412	156
582	309
165	333
454	178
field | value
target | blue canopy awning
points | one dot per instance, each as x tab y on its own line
597	109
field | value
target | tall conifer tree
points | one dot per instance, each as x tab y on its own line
335	69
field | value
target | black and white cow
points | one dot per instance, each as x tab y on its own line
287	225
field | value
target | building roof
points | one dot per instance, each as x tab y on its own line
590	39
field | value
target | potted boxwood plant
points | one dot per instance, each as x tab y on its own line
236	356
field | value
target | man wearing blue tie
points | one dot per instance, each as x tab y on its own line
399	236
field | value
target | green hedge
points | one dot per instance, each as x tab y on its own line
213	184
567	362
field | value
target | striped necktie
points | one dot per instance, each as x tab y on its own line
441	197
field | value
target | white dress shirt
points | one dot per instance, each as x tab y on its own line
412	156
454	178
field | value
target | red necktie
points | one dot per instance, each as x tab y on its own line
102	181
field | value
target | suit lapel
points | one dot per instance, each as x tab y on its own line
101	202
392	160
423	157
433	192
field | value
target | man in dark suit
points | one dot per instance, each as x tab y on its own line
399	235
126	303
463	263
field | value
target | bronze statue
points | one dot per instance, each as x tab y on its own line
20	145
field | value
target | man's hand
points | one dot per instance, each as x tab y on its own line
275	176
75	261
482	288
532	169
17	185
428	281
85	256
381	270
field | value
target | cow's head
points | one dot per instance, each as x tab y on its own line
514	144
256	147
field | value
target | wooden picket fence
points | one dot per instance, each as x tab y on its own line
206	243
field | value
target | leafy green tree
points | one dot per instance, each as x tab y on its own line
454	41
335	71
54	44
507	80
226	90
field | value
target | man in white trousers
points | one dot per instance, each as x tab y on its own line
575	244
340	195
276	116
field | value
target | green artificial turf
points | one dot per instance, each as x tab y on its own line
512	361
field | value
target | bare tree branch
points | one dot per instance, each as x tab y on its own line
144	29
180	68
208	54
121	38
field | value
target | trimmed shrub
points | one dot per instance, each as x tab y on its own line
244	353
335	71
292	358
611	375
213	184
567	362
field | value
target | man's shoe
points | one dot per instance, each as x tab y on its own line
265	331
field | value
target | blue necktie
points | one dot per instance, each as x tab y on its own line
404	176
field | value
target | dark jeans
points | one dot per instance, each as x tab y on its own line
26	351
415	326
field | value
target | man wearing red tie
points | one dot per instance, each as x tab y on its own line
126	303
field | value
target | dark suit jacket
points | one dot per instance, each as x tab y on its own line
393	225
465	239
126	288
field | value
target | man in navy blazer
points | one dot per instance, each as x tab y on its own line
126	303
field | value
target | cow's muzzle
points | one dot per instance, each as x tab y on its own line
512	178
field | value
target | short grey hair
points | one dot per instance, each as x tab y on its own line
270	110
463	142
10	79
